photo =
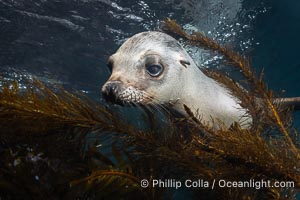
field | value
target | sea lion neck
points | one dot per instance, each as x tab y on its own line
207	99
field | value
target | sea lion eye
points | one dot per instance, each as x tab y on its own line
154	69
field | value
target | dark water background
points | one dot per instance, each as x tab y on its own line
68	41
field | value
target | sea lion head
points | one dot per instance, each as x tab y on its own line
149	68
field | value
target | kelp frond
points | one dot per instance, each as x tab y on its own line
259	89
97	174
42	135
40	109
116	184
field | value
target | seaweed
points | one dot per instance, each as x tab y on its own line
258	87
43	147
45	154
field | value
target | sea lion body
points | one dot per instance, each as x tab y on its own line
179	82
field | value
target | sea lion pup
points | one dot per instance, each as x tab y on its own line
152	68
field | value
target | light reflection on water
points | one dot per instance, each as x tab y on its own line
69	41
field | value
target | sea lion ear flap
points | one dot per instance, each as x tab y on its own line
185	63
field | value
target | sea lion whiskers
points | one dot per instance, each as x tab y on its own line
152	103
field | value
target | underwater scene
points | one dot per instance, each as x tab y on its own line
171	99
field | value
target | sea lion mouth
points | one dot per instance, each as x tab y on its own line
110	91
115	92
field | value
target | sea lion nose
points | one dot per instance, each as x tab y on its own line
110	91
